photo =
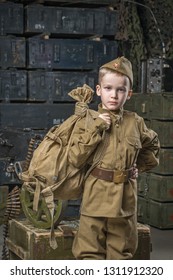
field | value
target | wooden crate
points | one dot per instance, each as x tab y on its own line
29	243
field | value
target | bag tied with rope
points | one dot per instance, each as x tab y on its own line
49	173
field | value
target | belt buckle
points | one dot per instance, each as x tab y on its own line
118	177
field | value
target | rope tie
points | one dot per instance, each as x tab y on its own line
81	109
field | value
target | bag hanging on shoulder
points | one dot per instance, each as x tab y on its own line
49	174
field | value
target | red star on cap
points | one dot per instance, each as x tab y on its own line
116	65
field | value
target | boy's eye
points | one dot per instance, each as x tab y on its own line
121	89
108	87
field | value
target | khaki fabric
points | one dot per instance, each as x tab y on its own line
130	141
101	238
108	228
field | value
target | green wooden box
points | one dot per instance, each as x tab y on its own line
156	187
25	242
139	103
165	166
161	106
154	213
153	106
164	130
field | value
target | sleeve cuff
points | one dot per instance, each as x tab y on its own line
101	124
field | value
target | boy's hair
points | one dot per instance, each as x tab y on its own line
120	65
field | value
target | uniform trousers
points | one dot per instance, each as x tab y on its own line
100	238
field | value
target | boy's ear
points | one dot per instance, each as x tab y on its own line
98	90
129	94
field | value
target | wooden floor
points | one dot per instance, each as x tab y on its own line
162	244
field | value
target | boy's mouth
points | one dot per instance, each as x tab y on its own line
113	103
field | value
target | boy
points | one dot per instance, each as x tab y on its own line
108	226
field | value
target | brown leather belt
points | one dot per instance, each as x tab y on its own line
116	176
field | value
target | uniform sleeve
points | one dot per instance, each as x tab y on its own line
148	156
85	141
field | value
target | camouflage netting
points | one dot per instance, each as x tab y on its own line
162	11
130	36
138	31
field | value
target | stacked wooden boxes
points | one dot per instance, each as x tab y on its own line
156	205
155	188
46	51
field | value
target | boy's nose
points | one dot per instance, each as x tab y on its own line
114	94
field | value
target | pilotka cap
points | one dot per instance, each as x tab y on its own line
121	65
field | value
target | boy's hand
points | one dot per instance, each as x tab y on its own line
106	118
134	172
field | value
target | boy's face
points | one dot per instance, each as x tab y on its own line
114	90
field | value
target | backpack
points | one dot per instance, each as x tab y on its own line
49	174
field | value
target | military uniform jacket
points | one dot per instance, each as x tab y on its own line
129	142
